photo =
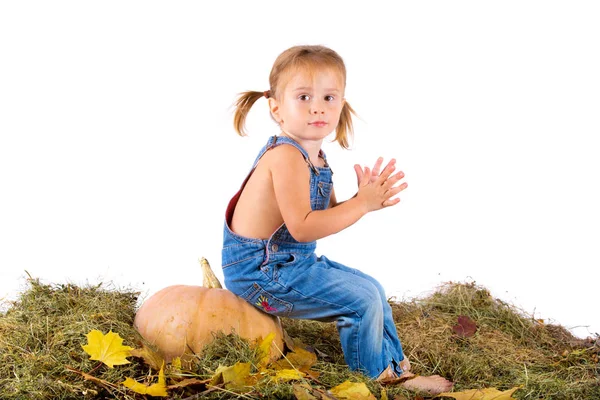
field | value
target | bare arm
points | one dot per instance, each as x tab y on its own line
291	179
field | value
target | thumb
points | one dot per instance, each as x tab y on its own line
359	173
366	177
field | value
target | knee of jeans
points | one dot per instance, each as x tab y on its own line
371	298
371	310
380	289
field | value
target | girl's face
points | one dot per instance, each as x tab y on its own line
310	106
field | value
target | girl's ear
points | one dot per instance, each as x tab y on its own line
274	107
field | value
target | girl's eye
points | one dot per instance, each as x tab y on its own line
306	97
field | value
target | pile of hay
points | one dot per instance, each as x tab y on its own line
508	349
42	332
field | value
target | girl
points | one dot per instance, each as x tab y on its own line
287	202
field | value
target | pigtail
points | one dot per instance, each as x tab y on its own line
244	102
344	130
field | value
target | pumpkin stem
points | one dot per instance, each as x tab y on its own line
209	278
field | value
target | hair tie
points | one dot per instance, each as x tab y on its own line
267	93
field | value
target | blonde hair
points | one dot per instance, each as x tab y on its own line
304	58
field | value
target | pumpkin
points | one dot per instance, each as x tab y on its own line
180	320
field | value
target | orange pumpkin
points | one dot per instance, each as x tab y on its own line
179	320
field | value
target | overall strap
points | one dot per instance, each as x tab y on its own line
279	140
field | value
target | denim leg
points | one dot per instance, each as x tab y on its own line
391	342
318	289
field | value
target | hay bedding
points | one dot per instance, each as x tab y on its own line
459	332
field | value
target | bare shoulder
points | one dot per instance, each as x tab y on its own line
284	155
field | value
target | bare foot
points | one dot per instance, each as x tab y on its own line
433	384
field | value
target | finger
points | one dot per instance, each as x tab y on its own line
391	202
391	162
391	192
392	180
376	167
366	176
385	174
374	175
359	173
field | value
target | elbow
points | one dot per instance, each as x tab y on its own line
301	235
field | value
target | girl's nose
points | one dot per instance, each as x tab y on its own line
317	109
317	106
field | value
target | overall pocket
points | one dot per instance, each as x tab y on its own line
266	302
323	194
284	268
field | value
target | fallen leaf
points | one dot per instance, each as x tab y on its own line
289	341
188	382
107	348
151	357
352	391
156	389
384	395
176	363
264	350
466	327
286	375
217	377
236	377
304	392
140	388
482	394
300	359
174	369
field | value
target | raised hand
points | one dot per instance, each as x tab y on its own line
374	171
375	190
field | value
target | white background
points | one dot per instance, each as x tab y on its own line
118	155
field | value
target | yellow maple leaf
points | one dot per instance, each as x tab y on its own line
237	377
156	389
300	359
286	375
107	348
264	350
352	391
482	394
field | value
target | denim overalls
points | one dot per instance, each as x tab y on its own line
284	277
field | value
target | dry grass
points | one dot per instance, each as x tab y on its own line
42	332
508	349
